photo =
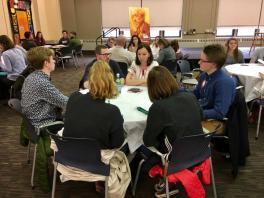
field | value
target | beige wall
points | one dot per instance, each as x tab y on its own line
82	16
47	18
200	15
5	27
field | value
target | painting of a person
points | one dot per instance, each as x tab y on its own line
138	24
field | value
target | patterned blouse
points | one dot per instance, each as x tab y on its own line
40	98
140	73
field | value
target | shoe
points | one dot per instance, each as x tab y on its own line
162	194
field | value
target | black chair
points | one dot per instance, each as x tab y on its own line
81	153
171	65
77	51
32	132
66	53
123	66
196	149
235	141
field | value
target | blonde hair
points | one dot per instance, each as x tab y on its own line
101	81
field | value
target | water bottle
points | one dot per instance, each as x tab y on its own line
118	83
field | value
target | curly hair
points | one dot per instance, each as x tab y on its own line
101	81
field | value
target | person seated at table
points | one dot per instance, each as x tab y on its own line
216	89
233	54
64	40
12	62
134	43
175	45
258	54
155	47
89	116
74	41
28	42
119	53
110	42
166	52
40	99
173	114
138	72
39	39
102	53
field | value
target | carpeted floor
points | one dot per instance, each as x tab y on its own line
15	172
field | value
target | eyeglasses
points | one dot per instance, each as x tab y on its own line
205	61
106	54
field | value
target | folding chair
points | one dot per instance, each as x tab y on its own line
196	149
171	65
123	66
185	70
81	153
33	133
235	140
66	53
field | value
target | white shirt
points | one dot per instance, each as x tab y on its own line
138	72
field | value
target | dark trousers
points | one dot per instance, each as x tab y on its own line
5	85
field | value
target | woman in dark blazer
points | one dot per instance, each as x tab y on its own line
89	116
174	113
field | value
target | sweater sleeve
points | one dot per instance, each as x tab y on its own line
155	124
161	56
5	63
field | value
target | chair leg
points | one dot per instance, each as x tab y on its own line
137	176
33	167
62	61
213	179
106	187
167	188
259	118
54	180
28	152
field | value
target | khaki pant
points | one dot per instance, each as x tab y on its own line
214	126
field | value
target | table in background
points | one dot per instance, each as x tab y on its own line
248	75
134	120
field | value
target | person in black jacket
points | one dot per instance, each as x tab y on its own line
174	113
88	116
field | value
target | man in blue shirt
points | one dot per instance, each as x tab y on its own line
215	90
102	53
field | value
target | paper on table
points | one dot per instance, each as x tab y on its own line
261	61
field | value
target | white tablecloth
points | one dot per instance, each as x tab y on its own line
248	75
134	120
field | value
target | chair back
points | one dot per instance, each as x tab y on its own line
189	151
15	104
171	65
184	66
65	51
82	153
32	132
123	66
78	49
